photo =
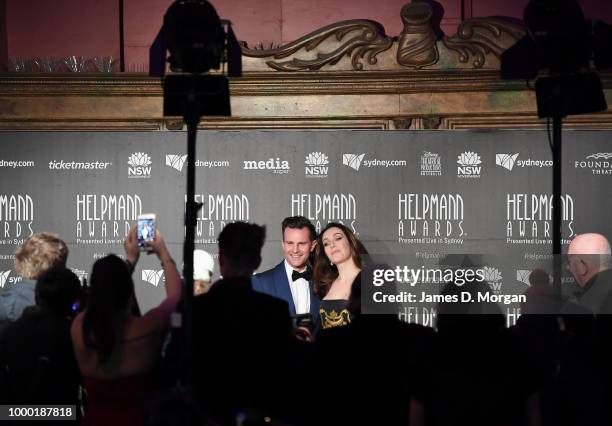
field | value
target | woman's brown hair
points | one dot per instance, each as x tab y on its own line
324	273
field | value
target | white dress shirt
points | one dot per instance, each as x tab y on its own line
300	291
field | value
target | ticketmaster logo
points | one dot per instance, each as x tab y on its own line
152	276
78	165
506	160
176	161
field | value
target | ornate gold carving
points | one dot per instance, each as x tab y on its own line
417	43
480	40
368	40
478	37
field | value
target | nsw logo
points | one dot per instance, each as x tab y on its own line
152	276
494	278
506	161
469	165
5	278
140	165
352	160
316	165
176	161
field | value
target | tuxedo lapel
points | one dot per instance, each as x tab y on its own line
281	285
315	303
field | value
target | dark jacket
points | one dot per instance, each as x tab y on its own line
241	340
37	362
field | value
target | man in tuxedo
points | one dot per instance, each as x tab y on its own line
240	337
586	369
291	279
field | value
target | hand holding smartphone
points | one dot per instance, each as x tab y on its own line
145	230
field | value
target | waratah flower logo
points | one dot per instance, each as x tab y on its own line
139	159
469	158
316	159
492	274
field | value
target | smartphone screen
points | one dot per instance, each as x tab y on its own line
146	230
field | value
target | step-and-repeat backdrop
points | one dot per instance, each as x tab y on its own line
412	197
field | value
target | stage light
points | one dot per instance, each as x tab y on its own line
560	52
194	36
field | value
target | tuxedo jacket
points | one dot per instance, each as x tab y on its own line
241	341
274	282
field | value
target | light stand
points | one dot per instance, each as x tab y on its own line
197	41
562	46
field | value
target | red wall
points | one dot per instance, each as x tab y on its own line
62	27
3	47
91	27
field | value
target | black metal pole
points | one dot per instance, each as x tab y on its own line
191	118
557	202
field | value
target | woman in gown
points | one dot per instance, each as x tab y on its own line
337	265
115	350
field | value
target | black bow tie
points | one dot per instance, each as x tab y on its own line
307	275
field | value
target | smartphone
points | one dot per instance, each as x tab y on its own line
146	229
304	320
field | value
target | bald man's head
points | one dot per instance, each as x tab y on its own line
588	255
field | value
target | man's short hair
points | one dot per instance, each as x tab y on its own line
299	222
57	289
240	243
39	253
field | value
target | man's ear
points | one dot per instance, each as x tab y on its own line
313	245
